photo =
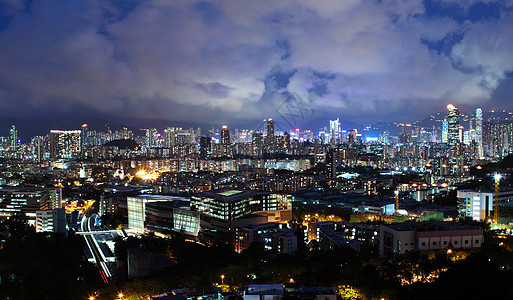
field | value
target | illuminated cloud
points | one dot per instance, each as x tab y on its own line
238	60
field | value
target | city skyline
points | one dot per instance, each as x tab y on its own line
26	130
226	149
229	63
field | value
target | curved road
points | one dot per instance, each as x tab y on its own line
87	226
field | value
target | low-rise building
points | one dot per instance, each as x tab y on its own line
404	237
281	242
51	220
479	205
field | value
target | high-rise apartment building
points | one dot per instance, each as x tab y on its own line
225	135
270	127
453	126
479	127
334	132
169	137
445	129
38	148
13	139
65	143
205	147
151	137
405	137
257	143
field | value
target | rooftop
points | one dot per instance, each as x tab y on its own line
230	195
430	226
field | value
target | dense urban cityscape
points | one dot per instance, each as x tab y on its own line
256	150
129	202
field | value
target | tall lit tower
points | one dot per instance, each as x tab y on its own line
83	138
270	127
479	127
151	137
453	126
205	147
37	148
169	137
65	143
225	135
445	129
334	131
257	143
13	139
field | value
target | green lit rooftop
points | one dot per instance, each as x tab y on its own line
230	193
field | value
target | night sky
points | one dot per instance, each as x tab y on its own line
227	62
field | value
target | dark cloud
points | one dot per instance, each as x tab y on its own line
223	61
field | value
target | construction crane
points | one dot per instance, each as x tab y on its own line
497	178
396	205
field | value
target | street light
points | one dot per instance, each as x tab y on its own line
120	295
222	279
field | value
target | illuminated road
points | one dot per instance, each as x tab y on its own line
86	227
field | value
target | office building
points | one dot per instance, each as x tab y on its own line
28	200
153	212
219	208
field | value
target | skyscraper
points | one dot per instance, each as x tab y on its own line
37	148
205	147
334	132
151	137
453	126
479	127
406	133
270	127
169	137
13	139
65	143
225	135
445	129
257	143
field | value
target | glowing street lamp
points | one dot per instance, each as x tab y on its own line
222	279
120	295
